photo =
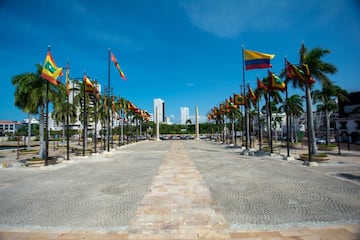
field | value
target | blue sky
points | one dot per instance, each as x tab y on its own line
189	53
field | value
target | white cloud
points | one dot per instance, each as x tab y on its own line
229	18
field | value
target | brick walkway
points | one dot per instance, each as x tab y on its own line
178	205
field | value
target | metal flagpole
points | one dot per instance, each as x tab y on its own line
287	111
108	110
84	115
67	112
270	124
245	106
259	125
96	106
47	121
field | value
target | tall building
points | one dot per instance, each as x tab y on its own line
184	115
159	104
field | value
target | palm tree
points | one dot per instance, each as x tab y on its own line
325	96
34	88
295	110
23	84
86	114
318	70
123	108
276	98
60	109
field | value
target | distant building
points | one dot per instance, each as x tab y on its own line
348	121
33	121
159	106
8	126
184	115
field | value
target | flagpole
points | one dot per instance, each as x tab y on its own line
267	103
112	119
84	115
67	114
259	124
47	121
287	111
245	106
96	106
108	110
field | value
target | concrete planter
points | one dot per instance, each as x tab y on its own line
29	151
327	147
305	157
35	162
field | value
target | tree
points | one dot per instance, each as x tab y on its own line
295	110
87	113
60	109
33	89
23	86
272	98
318	70
328	104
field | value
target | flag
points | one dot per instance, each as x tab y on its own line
251	94
239	99
254	60
293	72
261	85
216	111
275	82
89	87
131	106
67	81
50	71
122	75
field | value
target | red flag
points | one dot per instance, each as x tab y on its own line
122	75
261	85
88	85
251	94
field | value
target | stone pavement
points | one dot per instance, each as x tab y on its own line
178	204
182	190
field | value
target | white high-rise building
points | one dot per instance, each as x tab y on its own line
159	104
184	115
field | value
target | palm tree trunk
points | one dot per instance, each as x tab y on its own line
290	134
311	123
63	132
29	132
41	133
327	126
268	119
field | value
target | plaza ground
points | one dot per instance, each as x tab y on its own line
181	190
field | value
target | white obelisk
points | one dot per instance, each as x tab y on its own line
197	123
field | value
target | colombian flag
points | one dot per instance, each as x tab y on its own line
50	71
254	60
